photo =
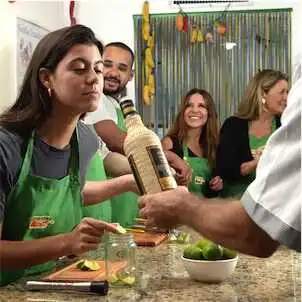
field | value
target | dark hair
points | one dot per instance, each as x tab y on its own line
33	104
122	46
210	133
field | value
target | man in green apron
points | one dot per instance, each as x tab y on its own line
109	122
96	171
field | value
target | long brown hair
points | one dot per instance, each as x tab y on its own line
210	132
34	105
251	105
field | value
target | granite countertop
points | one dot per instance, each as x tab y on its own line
163	278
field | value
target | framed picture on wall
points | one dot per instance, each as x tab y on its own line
28	36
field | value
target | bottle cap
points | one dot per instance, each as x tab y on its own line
127	106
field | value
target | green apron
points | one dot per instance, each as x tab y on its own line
237	189
38	207
96	171
124	206
201	173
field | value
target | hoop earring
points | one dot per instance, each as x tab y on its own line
49	92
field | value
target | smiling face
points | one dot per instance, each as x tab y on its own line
196	113
117	69
276	98
77	81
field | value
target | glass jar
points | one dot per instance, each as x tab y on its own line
120	260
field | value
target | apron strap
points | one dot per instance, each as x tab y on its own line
26	165
120	119
74	160
186	151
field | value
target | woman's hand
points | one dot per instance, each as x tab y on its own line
87	235
248	167
216	183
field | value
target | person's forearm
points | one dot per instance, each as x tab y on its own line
229	225
23	254
116	164
248	167
171	156
98	191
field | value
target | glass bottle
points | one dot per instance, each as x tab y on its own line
145	154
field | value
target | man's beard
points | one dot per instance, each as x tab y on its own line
115	93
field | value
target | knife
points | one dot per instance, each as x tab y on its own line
100	287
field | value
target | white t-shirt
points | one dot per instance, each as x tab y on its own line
106	111
104	151
273	199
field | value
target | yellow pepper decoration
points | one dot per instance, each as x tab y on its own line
149	82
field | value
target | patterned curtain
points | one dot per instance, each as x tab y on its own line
181	65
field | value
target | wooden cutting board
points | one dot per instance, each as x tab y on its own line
73	274
149	239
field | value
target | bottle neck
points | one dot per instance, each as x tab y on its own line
133	120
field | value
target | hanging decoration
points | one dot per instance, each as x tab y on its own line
182	21
149	81
218	27
266	31
209	37
73	20
197	35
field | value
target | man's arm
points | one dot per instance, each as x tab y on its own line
111	135
225	223
98	191
116	164
228	224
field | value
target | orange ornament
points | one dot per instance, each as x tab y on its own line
179	22
221	29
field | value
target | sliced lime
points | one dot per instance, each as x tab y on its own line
120	229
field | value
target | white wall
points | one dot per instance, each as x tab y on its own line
48	14
113	20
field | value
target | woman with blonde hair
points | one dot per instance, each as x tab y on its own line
244	135
194	137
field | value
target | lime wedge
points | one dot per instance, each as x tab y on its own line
113	278
86	265
128	280
120	229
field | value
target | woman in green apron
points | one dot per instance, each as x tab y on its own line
194	137
244	135
44	153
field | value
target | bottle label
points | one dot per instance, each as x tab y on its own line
127	107
137	177
161	167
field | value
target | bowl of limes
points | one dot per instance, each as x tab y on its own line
209	262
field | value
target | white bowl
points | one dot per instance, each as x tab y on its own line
210	271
